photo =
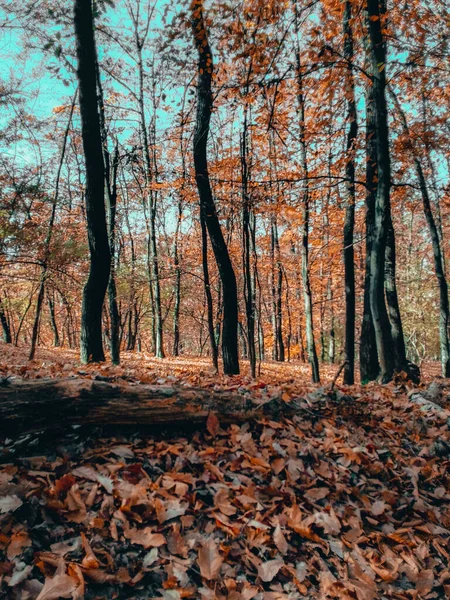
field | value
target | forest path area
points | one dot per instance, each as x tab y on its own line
186	369
347	497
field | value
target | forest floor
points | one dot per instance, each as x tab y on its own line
348	499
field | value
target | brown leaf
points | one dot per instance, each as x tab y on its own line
425	582
379	507
268	570
176	543
222	502
145	537
212	424
209	560
18	542
59	586
317	493
280	540
90	560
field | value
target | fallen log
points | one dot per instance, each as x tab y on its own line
56	404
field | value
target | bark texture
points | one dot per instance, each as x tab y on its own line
207	204
99	268
56	404
349	224
377	61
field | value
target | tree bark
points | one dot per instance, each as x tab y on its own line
57	404
177	291
307	295
207	205
395	320
349	224
176	243
377	60
208	296
6	330
151	199
54	325
111	169
94	291
249	291
368	356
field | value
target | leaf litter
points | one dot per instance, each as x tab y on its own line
349	499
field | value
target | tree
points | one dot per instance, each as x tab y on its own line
387	357
307	295
207	204
349	224
100	259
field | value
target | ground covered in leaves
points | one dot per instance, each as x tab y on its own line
347	499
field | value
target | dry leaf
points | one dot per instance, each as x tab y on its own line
425	582
59	586
268	570
18	542
379	507
280	540
209	560
9	504
145	537
212	424
90	560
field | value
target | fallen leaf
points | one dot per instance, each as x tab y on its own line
317	493
280	540
18	542
150	558
425	582
9	504
90	560
59	586
379	507
209	560
212	424
268	570
145	537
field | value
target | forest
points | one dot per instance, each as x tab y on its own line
224	299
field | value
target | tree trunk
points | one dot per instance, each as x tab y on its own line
37	318
349	224
279	305
54	326
207	205
114	315
208	296
307	295
277	293
377	60
332	339
111	204
176	308
6	330
368	357
153	264
22	318
100	260
249	291
395	320
58	404
176	249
